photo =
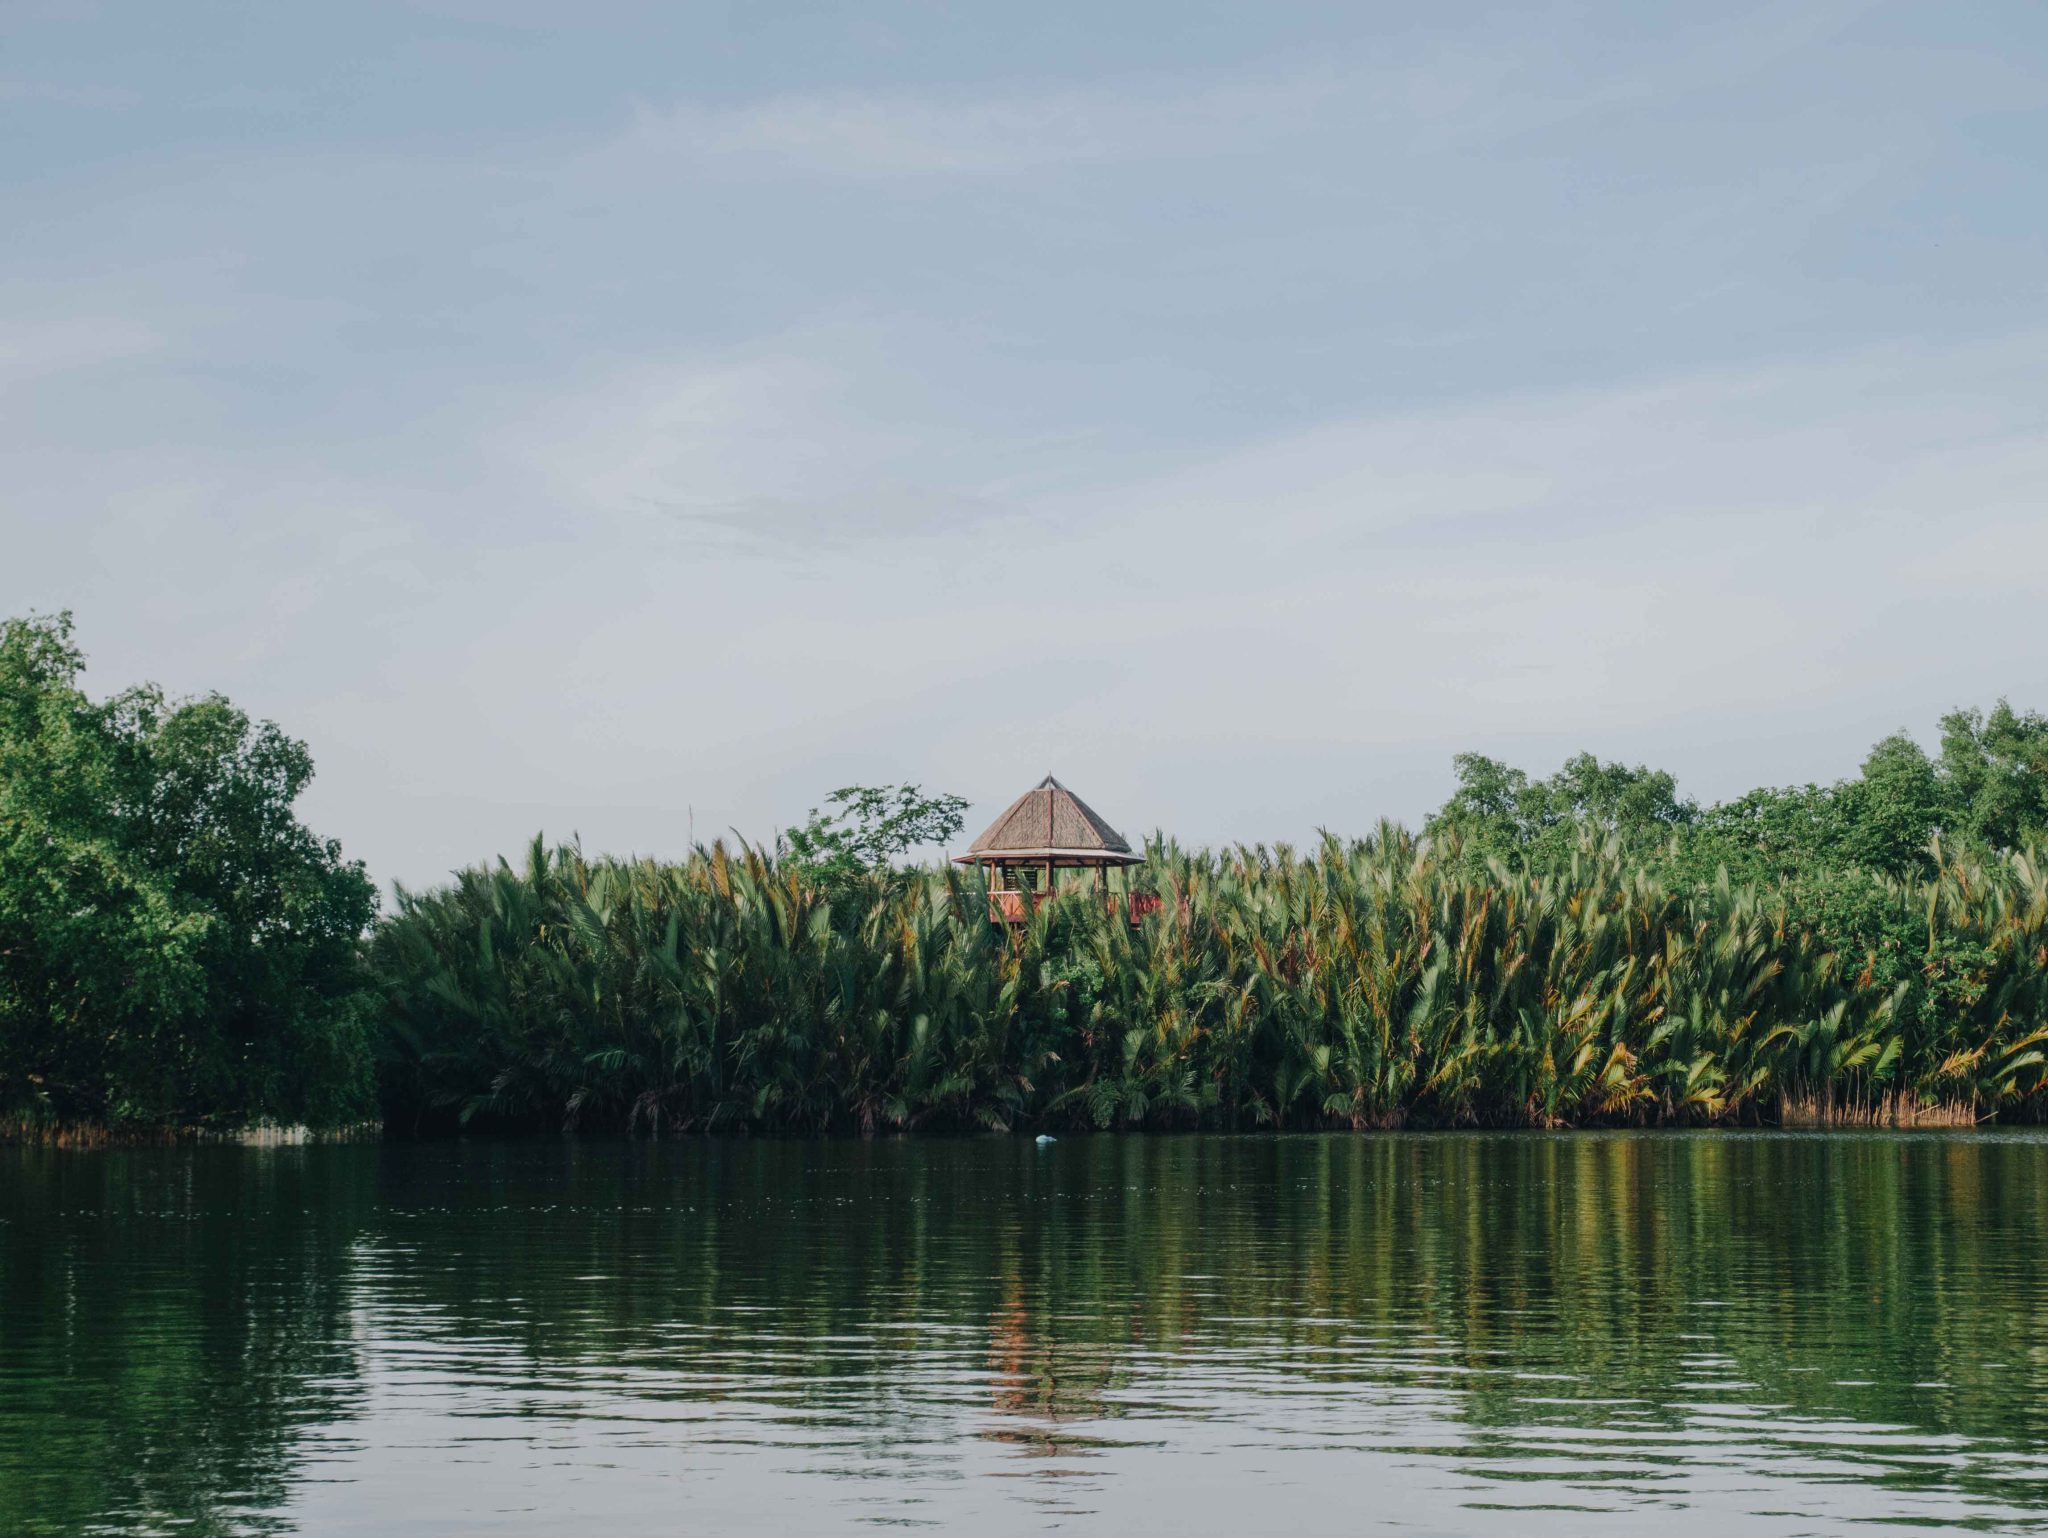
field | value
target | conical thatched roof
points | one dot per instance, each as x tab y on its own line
1050	822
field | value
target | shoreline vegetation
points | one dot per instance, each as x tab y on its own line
180	956
1379	983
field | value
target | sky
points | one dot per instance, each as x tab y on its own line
638	420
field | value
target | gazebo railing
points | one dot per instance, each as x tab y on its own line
1017	906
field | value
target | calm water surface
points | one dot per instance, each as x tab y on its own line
1453	1334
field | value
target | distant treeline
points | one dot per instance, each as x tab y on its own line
1585	949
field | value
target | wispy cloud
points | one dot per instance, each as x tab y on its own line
782	450
868	135
32	350
54	93
1443	95
1324	613
1133	119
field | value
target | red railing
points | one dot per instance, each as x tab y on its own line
1009	907
1006	907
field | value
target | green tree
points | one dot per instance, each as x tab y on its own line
1895	810
174	944
871	826
1500	811
1768	834
1996	769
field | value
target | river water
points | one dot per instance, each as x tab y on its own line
1583	1333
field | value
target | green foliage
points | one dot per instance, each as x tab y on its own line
174	945
1371	983
1891	813
870	827
1767	834
1500	811
1986	792
1586	948
1995	773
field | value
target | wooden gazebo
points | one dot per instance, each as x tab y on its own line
1046	830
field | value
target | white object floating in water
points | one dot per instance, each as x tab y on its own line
1046	1137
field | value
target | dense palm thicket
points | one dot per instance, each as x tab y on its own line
1385	981
1586	948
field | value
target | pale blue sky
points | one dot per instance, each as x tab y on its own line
587	417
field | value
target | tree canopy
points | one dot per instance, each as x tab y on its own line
1501	811
1985	791
175	946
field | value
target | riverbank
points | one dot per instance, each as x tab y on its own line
257	1135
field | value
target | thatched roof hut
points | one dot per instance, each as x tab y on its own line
1047	829
1050	826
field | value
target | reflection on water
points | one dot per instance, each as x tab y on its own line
1447	1334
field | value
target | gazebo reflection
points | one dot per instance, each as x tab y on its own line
1044	1389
